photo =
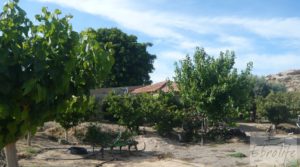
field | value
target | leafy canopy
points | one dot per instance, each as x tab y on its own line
263	88
78	110
289	100
42	66
162	111
212	87
278	113
127	109
132	64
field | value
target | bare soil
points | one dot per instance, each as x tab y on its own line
154	151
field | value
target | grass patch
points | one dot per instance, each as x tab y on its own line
28	152
31	151
294	163
237	155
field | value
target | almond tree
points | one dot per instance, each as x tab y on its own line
212	88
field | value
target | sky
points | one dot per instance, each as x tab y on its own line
264	32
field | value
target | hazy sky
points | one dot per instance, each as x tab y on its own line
266	32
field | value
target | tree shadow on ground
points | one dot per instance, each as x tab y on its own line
250	128
173	139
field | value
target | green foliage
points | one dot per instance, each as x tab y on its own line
210	87
78	110
277	113
123	139
294	163
161	110
263	88
95	137
191	123
217	134
167	112
31	151
289	99
292	101
237	155
279	107
127	109
133	63
42	67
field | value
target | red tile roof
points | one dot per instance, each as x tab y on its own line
163	86
108	90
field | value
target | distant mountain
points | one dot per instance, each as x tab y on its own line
291	79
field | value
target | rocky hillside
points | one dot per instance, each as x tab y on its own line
291	79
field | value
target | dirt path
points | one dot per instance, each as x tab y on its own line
159	152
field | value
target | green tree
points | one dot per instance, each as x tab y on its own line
95	137
212	88
76	112
288	99
277	113
42	66
261	89
162	110
165	112
127	109
132	64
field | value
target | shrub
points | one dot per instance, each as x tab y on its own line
217	135
127	109
288	102
277	113
168	113
261	89
78	110
95	137
161	110
191	123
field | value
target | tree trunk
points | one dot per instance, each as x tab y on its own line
2	158
205	125
75	130
11	155
66	135
29	138
202	141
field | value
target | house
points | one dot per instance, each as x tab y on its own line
164	86
102	92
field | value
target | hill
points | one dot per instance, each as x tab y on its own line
291	79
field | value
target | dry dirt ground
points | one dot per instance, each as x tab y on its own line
155	151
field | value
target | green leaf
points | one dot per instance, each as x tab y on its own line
12	127
3	111
28	86
43	70
44	10
85	65
57	11
41	93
